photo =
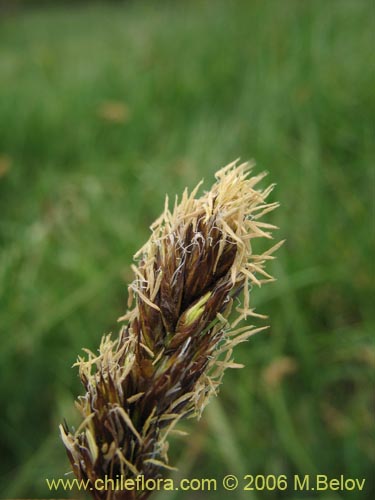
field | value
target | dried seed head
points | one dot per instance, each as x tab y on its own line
177	340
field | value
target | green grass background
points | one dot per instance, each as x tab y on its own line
194	84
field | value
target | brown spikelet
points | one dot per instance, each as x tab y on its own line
176	340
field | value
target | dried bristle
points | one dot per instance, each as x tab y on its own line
177	340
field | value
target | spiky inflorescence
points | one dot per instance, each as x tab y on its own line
177	339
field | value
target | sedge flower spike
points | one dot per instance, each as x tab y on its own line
177	338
